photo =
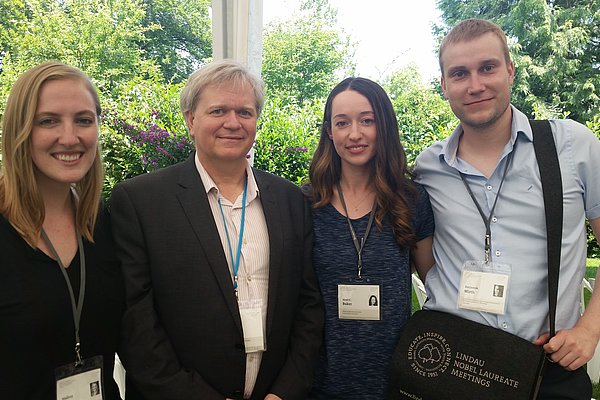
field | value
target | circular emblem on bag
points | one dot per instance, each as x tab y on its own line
429	354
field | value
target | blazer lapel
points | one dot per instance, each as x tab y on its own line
273	219
194	203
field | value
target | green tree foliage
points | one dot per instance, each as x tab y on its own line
287	137
182	39
555	47
423	115
303	58
94	35
12	14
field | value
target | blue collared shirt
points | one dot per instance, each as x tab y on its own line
518	225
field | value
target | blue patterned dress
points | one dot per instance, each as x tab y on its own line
355	357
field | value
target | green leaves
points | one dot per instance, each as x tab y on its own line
304	57
182	38
423	116
287	137
92	35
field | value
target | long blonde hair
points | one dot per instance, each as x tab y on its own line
20	199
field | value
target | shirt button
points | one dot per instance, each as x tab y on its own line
494	219
504	325
489	187
249	278
498	252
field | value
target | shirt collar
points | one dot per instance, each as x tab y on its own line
519	124
209	184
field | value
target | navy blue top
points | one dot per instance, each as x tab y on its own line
355	356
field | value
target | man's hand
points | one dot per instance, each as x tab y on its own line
571	348
271	396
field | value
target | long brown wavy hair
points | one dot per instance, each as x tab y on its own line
389	172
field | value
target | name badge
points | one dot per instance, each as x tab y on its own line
252	325
483	287
81	382
359	302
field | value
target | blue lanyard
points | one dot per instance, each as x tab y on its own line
236	261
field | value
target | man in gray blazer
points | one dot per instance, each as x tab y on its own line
222	300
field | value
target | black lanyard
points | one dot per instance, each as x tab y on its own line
487	219
357	246
75	307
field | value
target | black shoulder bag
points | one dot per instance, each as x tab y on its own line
442	356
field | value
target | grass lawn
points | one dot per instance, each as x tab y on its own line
592	268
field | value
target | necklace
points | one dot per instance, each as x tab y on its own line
356	206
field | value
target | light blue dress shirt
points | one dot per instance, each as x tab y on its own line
518	225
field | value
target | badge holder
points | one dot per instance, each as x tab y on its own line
484	287
252	325
83	380
359	298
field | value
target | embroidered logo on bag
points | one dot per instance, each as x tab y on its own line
429	354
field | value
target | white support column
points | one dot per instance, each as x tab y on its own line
237	32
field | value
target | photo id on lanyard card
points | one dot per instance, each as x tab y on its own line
252	325
359	297
81	379
484	286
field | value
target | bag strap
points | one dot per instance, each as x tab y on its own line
547	159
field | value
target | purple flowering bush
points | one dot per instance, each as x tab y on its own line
143	131
156	146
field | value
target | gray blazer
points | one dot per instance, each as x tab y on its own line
182	332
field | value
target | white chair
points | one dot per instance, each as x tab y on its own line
587	284
119	376
419	289
593	366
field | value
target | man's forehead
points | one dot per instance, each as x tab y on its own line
227	93
234	85
480	49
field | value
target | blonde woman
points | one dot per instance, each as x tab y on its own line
61	293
